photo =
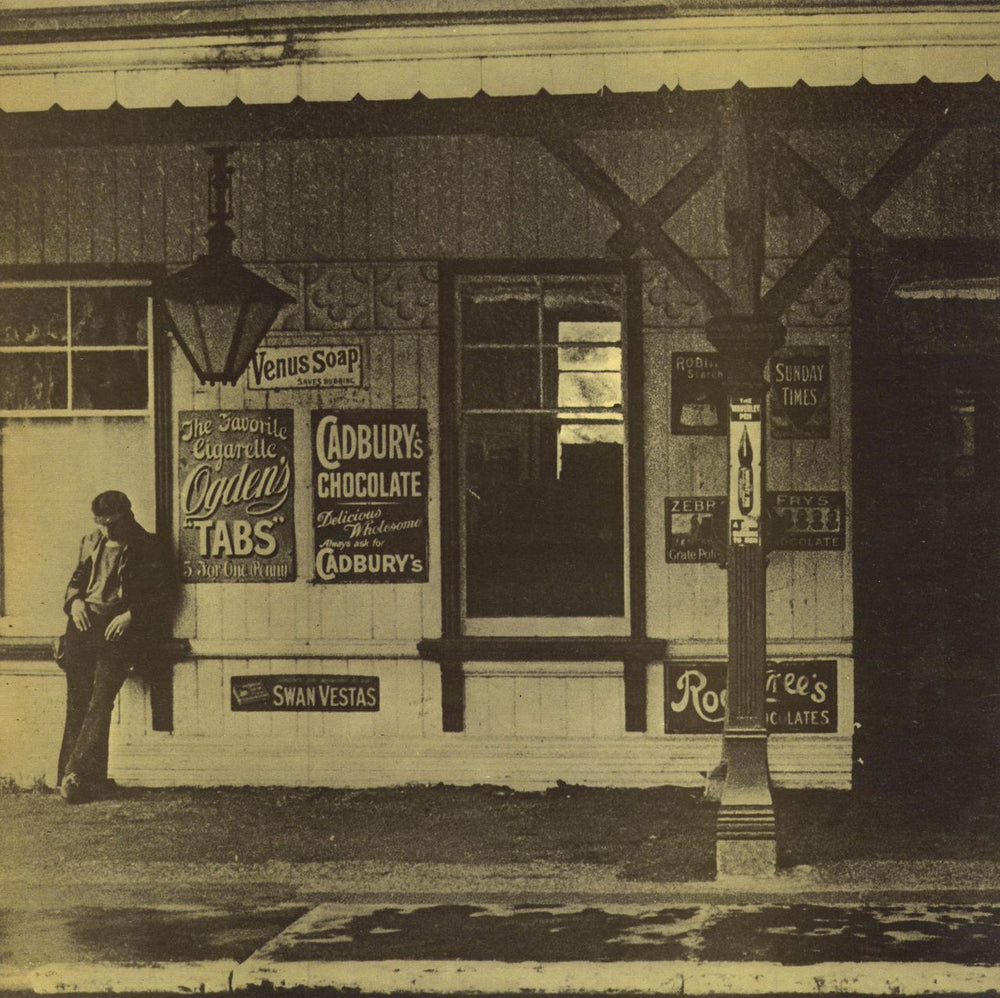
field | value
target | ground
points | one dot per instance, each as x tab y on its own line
662	834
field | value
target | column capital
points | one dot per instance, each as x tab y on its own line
744	344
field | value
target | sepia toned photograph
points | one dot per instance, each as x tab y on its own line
499	497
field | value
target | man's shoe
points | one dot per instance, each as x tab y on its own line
71	789
103	786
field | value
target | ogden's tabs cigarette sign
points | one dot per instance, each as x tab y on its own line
235	475
370	495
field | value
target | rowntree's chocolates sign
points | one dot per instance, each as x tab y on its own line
799	697
370	495
236	502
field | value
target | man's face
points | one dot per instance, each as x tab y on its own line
113	527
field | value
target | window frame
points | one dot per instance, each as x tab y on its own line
456	624
159	401
71	351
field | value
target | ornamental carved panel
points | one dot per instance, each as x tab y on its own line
339	296
406	296
668	302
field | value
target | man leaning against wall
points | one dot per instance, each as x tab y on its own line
118	602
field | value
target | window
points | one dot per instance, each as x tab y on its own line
542	451
74	348
76	417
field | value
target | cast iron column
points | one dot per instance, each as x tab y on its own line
745	339
745	840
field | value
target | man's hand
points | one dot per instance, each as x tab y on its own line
118	626
78	614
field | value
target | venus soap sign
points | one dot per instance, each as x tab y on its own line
236	503
370	495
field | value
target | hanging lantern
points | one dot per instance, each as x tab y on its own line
219	309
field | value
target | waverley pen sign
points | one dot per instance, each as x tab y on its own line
236	503
370	495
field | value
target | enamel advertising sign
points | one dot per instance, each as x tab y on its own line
745	498
697	394
370	495
799	697
799	400
332	694
236	503
806	521
327	366
695	529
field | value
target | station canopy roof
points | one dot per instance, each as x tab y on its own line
205	53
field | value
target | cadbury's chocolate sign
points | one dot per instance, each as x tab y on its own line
236	502
370	495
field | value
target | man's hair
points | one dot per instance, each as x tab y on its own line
111	502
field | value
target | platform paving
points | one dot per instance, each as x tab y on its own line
869	929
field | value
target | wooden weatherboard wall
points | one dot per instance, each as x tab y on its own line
355	229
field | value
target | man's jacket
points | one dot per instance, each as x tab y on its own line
147	582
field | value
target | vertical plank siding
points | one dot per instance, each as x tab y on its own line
355	228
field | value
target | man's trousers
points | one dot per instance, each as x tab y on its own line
95	670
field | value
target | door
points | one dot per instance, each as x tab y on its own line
926	507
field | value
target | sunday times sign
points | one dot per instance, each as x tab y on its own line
370	495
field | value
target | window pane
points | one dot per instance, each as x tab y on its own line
108	316
50	472
544	518
503	315
590	433
110	380
590	358
32	316
500	379
590	294
33	381
589	390
590	332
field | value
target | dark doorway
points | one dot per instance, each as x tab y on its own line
926	424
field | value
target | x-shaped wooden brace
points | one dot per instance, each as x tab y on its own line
848	216
642	224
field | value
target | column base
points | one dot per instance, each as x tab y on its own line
746	857
745	830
